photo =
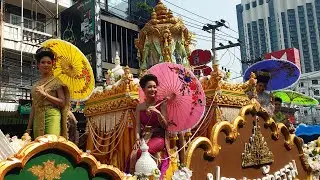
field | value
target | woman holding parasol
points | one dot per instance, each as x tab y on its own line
151	124
50	99
65	73
171	102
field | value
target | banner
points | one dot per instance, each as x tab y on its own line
80	25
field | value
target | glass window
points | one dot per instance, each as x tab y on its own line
121	40
316	92
40	26
14	19
301	84
314	81
254	4
248	6
260	2
119	8
27	23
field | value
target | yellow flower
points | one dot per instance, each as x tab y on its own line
156	173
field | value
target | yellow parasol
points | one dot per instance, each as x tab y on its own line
72	68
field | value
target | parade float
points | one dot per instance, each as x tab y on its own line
235	138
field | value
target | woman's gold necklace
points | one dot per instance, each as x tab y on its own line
44	80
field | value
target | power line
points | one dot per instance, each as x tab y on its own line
200	16
204	39
226	35
148	20
189	11
235	56
230	58
187	23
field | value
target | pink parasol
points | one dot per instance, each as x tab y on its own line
186	104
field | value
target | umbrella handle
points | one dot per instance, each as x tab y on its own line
172	96
54	77
48	81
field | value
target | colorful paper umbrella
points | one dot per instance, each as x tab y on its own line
283	73
293	97
72	68
186	109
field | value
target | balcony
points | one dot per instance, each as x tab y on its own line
31	39
43	5
64	3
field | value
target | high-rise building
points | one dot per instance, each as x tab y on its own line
270	25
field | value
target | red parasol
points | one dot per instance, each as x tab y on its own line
186	107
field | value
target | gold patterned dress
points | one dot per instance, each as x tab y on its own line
49	118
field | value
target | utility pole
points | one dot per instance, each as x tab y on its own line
1	43
1	38
21	42
57	18
230	45
213	29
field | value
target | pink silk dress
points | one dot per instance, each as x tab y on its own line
157	142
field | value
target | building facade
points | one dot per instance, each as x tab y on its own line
21	37
119	23
270	25
116	28
24	26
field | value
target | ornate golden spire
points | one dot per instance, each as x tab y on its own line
154	19
163	30
256	152
161	11
171	18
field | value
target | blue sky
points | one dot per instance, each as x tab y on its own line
211	10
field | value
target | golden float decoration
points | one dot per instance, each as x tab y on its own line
48	142
48	171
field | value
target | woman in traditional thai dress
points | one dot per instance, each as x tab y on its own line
50	99
151	125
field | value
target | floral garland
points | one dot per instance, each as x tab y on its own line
140	176
312	154
183	173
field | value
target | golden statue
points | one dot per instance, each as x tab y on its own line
215	78
163	39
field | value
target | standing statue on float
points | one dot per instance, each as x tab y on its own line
163	39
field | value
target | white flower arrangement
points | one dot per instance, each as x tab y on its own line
156	173
183	173
312	154
16	143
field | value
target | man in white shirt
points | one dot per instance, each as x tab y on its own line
263	97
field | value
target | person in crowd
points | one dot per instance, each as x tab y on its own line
278	116
263	97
